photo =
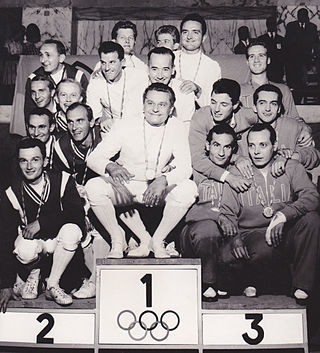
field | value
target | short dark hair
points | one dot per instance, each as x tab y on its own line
223	128
111	47
228	86
162	51
44	78
33	33
60	47
75	105
124	24
28	142
40	112
168	29
197	18
160	87
263	126
269	88
254	42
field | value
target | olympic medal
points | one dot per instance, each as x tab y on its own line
268	212
150	174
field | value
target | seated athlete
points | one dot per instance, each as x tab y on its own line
42	214
145	147
72	151
275	217
198	238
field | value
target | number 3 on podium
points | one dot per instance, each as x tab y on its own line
254	325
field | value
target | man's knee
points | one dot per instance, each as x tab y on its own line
96	189
70	236
27	250
184	193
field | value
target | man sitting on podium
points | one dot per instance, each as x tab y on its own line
145	147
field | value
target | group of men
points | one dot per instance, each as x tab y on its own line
171	135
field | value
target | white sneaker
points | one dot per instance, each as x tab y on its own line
250	292
116	251
300	294
143	250
30	289
87	290
58	295
159	250
172	251
18	286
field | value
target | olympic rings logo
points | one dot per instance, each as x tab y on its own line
148	327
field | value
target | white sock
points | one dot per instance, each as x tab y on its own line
134	222
61	259
100	250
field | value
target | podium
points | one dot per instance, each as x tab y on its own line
155	304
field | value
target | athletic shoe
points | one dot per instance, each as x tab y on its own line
58	295
87	290
30	289
18	286
159	250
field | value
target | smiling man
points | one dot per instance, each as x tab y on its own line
52	57
196	69
43	214
268	106
42	93
200	238
276	215
224	108
145	147
115	92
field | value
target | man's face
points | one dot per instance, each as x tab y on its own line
111	65
221	107
39	127
157	107
257	59
191	36
67	94
31	163
125	38
260	148
41	94
160	68
267	106
50	59
79	124
220	149
166	40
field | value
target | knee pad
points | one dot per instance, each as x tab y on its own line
70	236
27	250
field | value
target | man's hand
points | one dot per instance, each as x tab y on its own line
244	165
31	230
167	168
286	153
276	234
227	227
155	191
238	183
188	87
5	295
106	124
305	138
118	173
123	196
278	167
239	250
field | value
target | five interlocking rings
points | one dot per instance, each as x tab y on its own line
145	327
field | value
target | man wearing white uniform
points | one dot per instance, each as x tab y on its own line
145	147
114	92
161	69
194	67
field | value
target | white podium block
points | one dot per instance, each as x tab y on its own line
48	328
149	302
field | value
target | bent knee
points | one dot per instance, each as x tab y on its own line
184	193
70	236
27	250
96	188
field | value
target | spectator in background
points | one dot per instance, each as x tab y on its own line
275	46
301	45
167	36
33	40
244	40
